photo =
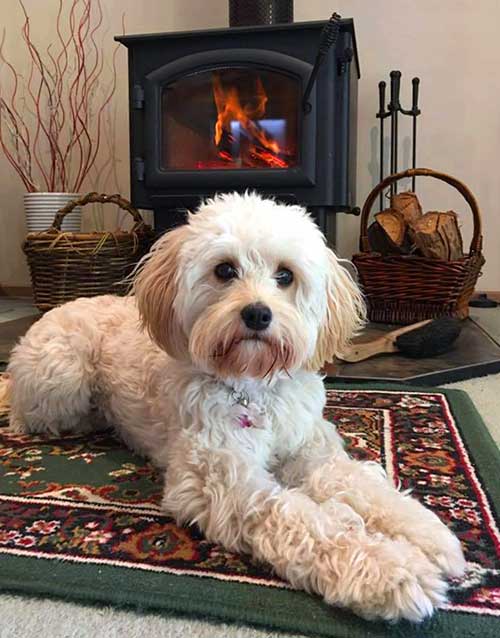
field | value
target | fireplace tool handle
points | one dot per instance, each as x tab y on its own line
382	115
415	111
328	38
394	107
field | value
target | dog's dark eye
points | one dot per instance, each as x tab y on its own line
225	271
284	277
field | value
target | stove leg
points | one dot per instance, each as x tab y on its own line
331	230
320	214
326	219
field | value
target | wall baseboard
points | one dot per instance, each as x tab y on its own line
16	291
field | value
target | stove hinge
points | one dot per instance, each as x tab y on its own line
137	97
344	60
139	168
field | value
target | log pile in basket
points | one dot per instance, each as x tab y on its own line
66	265
412	265
404	229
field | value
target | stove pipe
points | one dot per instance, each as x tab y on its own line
244	13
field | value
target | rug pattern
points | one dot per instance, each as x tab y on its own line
88	499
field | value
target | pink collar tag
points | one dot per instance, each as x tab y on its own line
245	421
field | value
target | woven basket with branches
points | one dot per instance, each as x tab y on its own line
409	288
65	266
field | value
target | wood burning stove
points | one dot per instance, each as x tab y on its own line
222	110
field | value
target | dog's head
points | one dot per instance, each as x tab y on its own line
248	288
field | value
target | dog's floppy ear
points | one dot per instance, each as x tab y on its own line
345	313
156	284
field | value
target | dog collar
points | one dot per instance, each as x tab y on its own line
240	398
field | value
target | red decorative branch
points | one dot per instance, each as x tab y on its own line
52	133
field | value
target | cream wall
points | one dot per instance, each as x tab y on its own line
451	44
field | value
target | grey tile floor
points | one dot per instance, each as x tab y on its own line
14	308
489	320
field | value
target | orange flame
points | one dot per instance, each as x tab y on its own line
264	148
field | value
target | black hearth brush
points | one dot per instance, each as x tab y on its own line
418	341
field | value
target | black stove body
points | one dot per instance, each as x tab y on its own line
222	110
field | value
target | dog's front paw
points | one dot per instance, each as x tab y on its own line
396	581
412	522
443	548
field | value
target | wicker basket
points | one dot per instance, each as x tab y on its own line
405	289
65	265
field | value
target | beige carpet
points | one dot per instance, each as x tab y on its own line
485	394
27	618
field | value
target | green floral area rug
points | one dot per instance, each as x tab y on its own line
80	520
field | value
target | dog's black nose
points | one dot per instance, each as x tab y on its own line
256	316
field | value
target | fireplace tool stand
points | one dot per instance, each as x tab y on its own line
394	108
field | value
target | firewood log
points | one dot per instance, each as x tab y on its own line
436	235
393	224
387	234
408	205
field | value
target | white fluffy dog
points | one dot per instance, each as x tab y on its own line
210	370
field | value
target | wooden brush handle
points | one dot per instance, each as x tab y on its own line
382	345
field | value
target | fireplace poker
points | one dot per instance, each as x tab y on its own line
328	38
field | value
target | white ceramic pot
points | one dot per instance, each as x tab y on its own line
41	209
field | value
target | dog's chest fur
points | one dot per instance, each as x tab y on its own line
281	415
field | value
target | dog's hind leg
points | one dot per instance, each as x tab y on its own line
52	374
